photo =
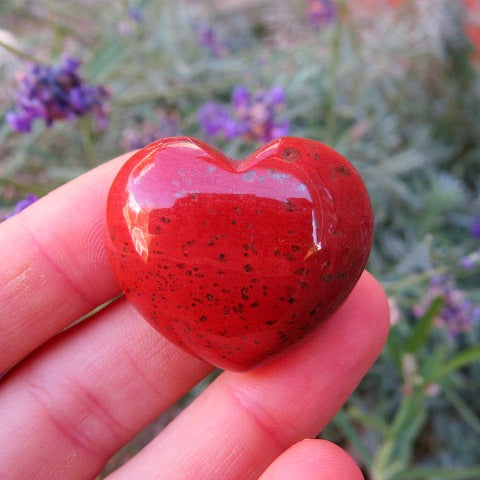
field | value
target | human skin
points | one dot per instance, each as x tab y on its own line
71	398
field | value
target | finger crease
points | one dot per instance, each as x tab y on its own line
56	268
260	419
72	430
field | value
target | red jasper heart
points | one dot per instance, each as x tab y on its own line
235	260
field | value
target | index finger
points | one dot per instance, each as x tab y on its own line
53	264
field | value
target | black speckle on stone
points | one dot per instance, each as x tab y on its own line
165	219
342	170
254	304
221	257
209	296
271	322
302	271
303	285
290	206
238	308
248	267
295	248
334	276
202	319
290	155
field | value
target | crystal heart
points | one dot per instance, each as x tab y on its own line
236	260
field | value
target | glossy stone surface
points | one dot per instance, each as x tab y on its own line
235	260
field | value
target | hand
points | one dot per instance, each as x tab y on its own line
76	396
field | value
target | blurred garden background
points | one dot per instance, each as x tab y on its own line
393	85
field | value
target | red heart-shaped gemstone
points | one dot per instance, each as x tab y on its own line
235	260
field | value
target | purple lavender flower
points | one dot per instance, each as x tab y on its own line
458	314
475	227
147	132
57	93
128	24
23	204
251	115
470	261
135	14
208	39
321	12
216	120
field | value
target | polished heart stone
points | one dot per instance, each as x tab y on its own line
236	260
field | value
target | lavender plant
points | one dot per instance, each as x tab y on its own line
251	116
55	93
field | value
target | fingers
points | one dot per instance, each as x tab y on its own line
242	422
66	409
53	267
313	460
88	391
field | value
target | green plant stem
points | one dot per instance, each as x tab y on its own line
87	142
368	420
20	53
343	422
469	416
392	286
471	473
331	115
